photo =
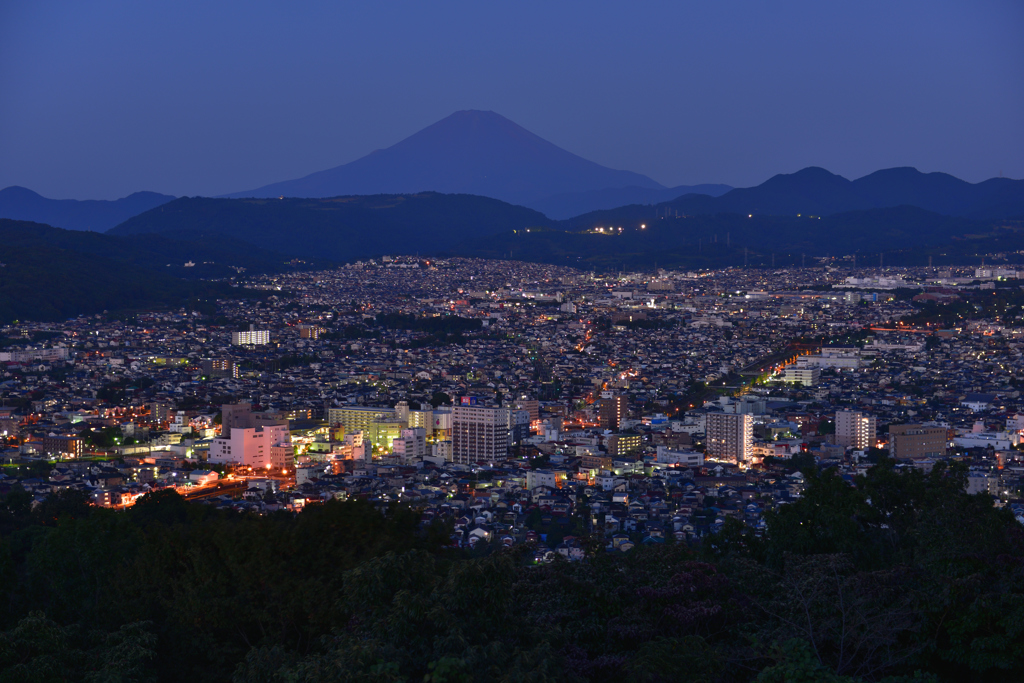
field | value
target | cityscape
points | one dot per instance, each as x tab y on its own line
626	408
511	342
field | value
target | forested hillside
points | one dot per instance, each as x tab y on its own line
903	577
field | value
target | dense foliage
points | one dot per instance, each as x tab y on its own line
903	577
51	274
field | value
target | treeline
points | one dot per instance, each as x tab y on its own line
902	578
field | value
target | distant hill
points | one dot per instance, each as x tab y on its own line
816	191
731	239
51	274
469	152
339	228
571	204
19	203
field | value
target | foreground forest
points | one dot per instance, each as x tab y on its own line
901	578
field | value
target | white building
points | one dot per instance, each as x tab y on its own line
802	374
982	482
251	337
412	443
730	437
1000	441
686	458
855	429
479	434
266	447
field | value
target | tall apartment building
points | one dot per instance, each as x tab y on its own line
479	434
613	411
855	429
729	436
915	442
250	337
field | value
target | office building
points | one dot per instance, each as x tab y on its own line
855	429
917	442
805	375
730	437
479	434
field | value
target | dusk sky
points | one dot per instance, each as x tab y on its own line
101	99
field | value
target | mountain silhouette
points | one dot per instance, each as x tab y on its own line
338	228
20	203
816	191
569	204
469	152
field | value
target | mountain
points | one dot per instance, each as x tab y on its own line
51	274
339	228
19	203
469	152
569	204
818	192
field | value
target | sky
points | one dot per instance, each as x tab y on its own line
99	99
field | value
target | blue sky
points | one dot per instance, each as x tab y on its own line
100	99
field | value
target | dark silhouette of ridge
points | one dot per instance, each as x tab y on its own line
816	191
20	203
469	152
569	204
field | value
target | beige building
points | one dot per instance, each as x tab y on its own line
855	429
730	437
479	434
917	442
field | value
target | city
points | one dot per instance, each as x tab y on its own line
523	404
511	342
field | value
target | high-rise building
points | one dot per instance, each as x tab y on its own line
479	434
613	411
917	442
855	429
730	437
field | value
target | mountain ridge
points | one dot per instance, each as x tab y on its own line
97	215
816	191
